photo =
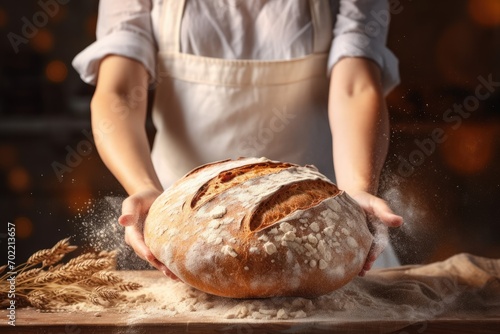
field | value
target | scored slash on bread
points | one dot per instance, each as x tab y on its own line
253	228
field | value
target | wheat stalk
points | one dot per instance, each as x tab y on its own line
52	286
2	268
26	275
108	277
129	286
40	256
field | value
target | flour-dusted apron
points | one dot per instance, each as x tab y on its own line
209	109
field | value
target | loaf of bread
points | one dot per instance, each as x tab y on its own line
254	228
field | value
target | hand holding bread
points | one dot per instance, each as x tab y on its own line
134	212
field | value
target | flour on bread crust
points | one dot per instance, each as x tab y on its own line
216	230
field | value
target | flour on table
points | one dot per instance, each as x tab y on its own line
165	298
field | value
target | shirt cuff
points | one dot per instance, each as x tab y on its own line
122	43
359	45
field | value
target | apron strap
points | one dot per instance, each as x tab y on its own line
321	17
172	12
171	18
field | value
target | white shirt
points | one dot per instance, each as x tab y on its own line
239	29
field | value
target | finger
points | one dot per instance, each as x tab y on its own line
385	214
132	235
367	266
380	241
127	220
130	212
135	239
158	265
163	268
368	262
377	249
370	259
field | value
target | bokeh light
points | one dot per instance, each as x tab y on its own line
43	42
455	54
78	199
60	14
56	71
3	17
18	179
24	227
9	156
90	25
469	149
485	12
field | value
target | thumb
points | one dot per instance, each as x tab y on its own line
385	214
127	220
130	212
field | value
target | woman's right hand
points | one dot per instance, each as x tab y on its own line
135	208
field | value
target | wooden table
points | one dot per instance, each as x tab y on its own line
28	320
31	321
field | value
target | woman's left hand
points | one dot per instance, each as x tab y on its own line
380	217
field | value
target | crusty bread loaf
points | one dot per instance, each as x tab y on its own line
258	228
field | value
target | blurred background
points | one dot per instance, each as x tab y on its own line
442	172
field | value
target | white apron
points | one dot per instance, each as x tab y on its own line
209	109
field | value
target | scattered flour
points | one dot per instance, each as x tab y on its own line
96	229
162	298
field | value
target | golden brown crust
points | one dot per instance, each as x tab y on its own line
290	198
232	177
257	228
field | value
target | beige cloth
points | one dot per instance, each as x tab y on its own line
460	286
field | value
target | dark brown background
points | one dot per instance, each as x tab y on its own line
450	201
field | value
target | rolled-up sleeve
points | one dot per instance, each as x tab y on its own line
124	29
360	30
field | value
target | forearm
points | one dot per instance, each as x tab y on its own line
359	122
119	104
123	146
